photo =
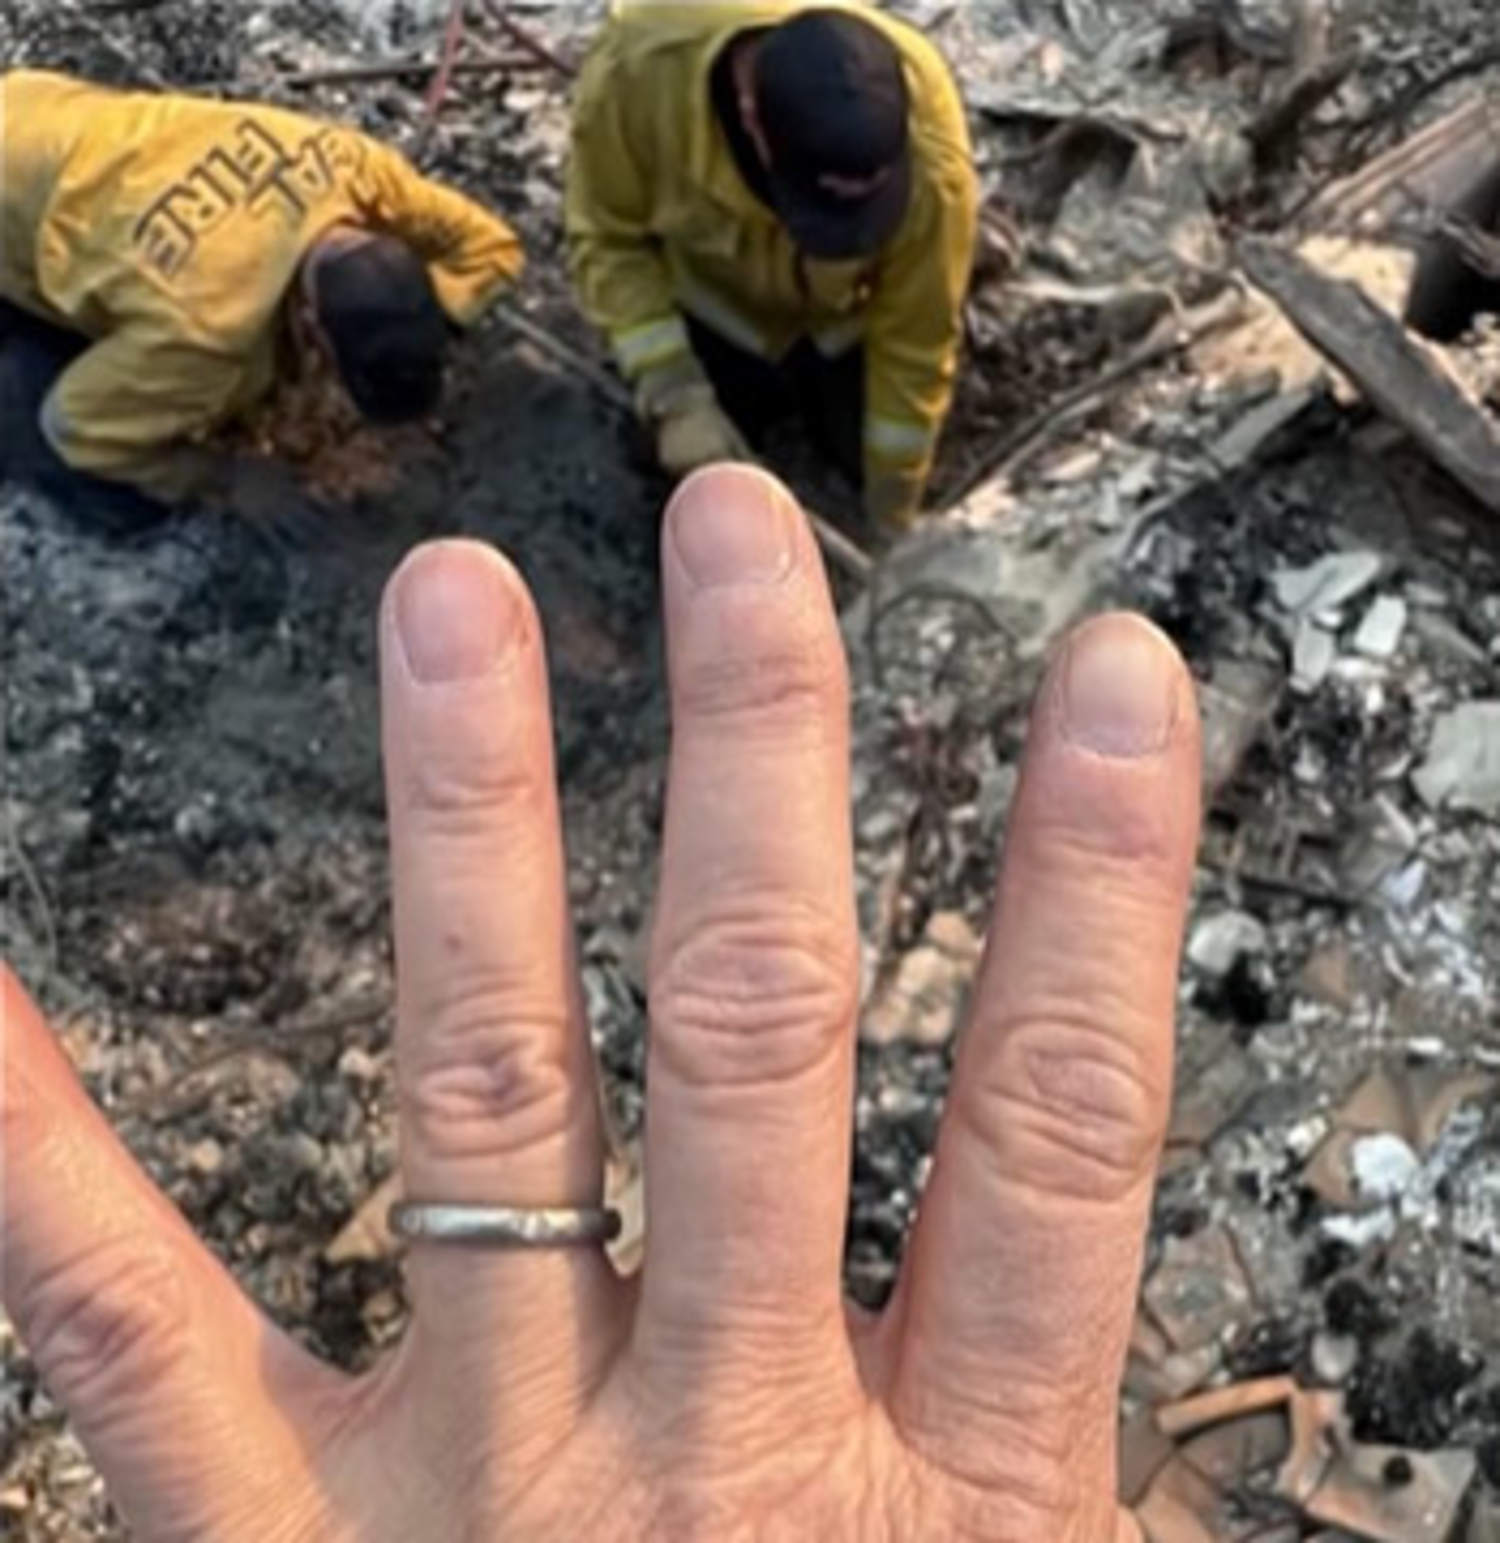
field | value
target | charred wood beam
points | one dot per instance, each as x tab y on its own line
1393	371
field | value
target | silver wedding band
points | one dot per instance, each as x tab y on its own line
499	1226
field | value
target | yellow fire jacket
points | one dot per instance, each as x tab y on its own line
659	220
169	229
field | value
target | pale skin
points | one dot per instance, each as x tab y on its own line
728	1392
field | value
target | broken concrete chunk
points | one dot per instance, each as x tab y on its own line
1462	769
1327	584
1447	639
1360	1232
1381	631
1414	1101
1314	650
1222	938
1383	1167
1404	888
1334	1357
1377	1102
1246	438
951	934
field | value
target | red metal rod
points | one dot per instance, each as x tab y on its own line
533	45
452	38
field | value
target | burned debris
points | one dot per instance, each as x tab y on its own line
1230	363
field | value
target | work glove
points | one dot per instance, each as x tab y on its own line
691	429
893	500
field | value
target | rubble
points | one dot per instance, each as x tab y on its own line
1269	1453
1333	1357
1391	1496
1397	375
922	1000
1380	633
196	799
1221	939
1462	769
1198	1292
1383	1167
1322	587
1315	651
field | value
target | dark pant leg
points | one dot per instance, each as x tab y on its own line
750	389
1448	293
33	353
831	396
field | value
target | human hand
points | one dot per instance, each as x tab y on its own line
728	1392
697	433
692	430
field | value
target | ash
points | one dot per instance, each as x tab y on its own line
194	873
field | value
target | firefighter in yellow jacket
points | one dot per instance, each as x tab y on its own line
173	255
770	201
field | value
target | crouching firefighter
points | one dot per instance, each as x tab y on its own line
773	204
165	260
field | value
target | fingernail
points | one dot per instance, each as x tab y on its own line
456	611
734	525
1120	686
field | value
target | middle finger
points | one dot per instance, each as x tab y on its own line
753	971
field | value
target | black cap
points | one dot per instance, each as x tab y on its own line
832	101
387	329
